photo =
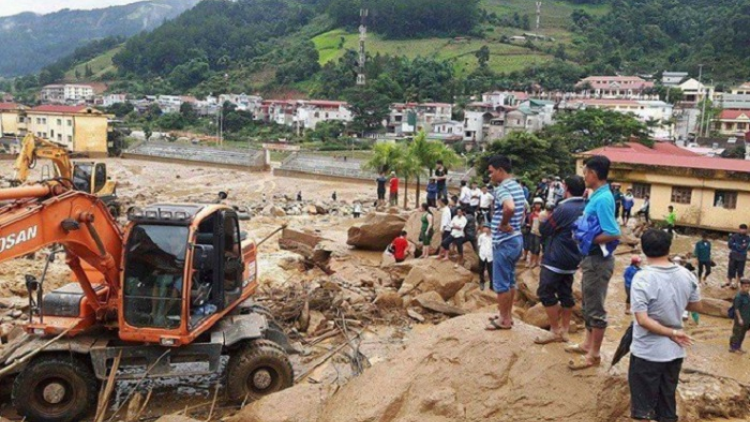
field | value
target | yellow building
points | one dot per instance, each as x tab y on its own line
9	119
78	128
706	192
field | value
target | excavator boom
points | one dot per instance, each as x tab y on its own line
33	147
46	214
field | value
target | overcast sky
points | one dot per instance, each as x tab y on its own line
13	7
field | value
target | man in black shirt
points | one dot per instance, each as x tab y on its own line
441	175
381	187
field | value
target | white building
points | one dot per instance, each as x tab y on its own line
311	112
410	118
112	99
653	111
244	102
694	91
610	87
673	79
68	93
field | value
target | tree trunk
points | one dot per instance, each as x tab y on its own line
406	191
418	192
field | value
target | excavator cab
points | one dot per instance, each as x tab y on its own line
184	266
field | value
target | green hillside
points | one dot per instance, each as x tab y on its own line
99	65
504	56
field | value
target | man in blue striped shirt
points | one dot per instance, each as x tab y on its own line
507	243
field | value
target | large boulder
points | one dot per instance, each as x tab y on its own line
376	232
414	226
308	401
433	275
715	307
457	371
716	292
536	316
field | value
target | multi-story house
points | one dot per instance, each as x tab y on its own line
311	112
615	86
733	122
410	118
80	129
67	93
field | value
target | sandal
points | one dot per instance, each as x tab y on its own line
548	338
495	326
576	349
584	363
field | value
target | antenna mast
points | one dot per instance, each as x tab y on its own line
362	36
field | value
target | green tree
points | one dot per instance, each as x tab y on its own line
427	154
88	73
408	166
483	56
384	157
147	132
533	157
188	113
369	108
591	128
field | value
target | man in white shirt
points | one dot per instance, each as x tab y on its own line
485	254
485	205
457	235
464	197
445	228
476	196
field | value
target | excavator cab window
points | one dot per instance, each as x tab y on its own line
82	177
203	292
232	263
100	177
154	269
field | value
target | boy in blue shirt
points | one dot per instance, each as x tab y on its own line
635	266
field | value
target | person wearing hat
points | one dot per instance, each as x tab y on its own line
484	243
630	272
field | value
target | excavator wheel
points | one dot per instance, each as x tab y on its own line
258	369
55	388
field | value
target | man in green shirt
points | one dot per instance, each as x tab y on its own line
671	219
702	253
741	317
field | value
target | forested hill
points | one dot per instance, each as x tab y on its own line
655	35
29	41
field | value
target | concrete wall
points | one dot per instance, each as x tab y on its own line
90	133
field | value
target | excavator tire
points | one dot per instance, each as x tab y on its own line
257	369
55	388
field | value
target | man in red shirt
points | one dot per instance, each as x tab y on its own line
394	189
399	246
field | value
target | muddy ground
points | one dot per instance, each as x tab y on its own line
381	333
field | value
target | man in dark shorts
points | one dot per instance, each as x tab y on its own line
660	294
561	260
441	175
381	181
738	245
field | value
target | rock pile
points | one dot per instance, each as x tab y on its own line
459	371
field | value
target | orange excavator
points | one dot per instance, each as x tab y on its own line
174	287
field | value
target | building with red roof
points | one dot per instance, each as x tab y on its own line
732	122
707	192
615	86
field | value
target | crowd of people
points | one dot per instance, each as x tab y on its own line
574	224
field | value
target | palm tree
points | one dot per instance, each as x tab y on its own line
384	158
408	166
428	153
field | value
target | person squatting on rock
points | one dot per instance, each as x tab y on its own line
506	238
741	317
601	234
561	260
399	247
661	292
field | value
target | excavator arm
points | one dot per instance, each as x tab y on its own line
32	148
50	213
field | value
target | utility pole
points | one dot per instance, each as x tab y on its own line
700	82
538	14
705	126
362	36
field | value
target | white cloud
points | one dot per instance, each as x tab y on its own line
13	7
